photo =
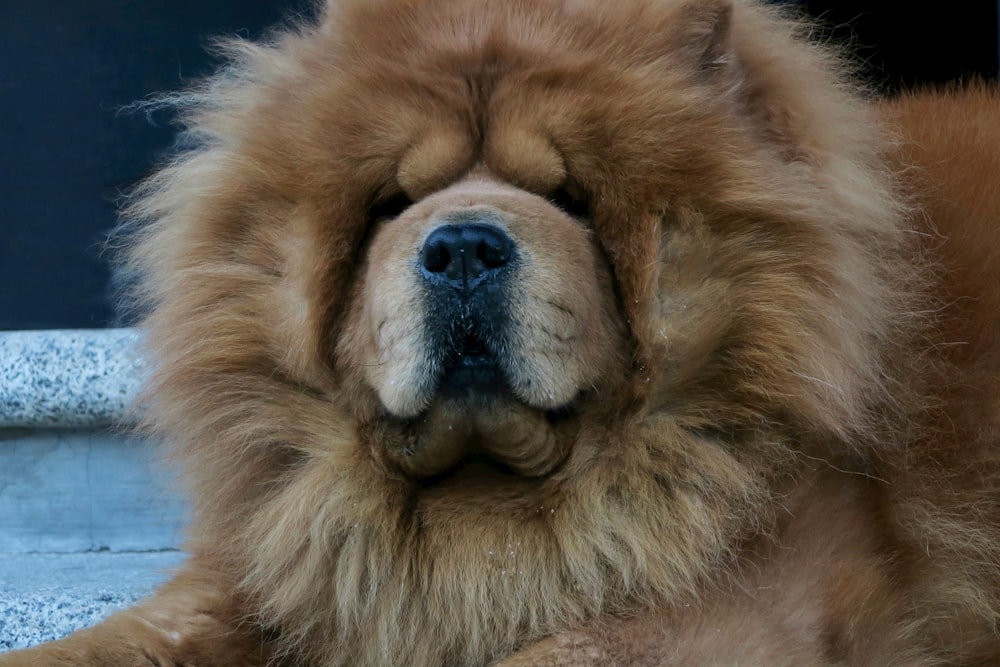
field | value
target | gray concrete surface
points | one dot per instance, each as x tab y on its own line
47	596
64	490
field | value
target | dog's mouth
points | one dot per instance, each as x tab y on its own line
473	374
476	427
471	370
485	407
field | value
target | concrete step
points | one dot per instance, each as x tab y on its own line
78	490
47	596
90	519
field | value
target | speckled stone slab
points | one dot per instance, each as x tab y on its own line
47	596
85	377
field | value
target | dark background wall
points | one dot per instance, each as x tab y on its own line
906	43
66	153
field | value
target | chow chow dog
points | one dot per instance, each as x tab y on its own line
570	332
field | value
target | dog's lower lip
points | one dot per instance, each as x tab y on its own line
476	463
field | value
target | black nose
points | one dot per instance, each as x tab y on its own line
464	255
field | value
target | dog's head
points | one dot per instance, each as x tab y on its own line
439	268
470	233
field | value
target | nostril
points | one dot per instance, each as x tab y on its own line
493	252
465	254
435	257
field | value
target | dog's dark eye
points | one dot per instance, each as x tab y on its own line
570	202
389	207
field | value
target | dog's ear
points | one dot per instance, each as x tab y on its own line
696	34
748	59
702	34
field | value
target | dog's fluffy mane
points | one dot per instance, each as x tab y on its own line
247	246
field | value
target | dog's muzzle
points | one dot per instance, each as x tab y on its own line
465	265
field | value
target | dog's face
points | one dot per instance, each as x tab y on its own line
483	314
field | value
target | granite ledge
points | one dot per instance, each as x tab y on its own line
68	378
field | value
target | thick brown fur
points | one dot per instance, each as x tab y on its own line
752	396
